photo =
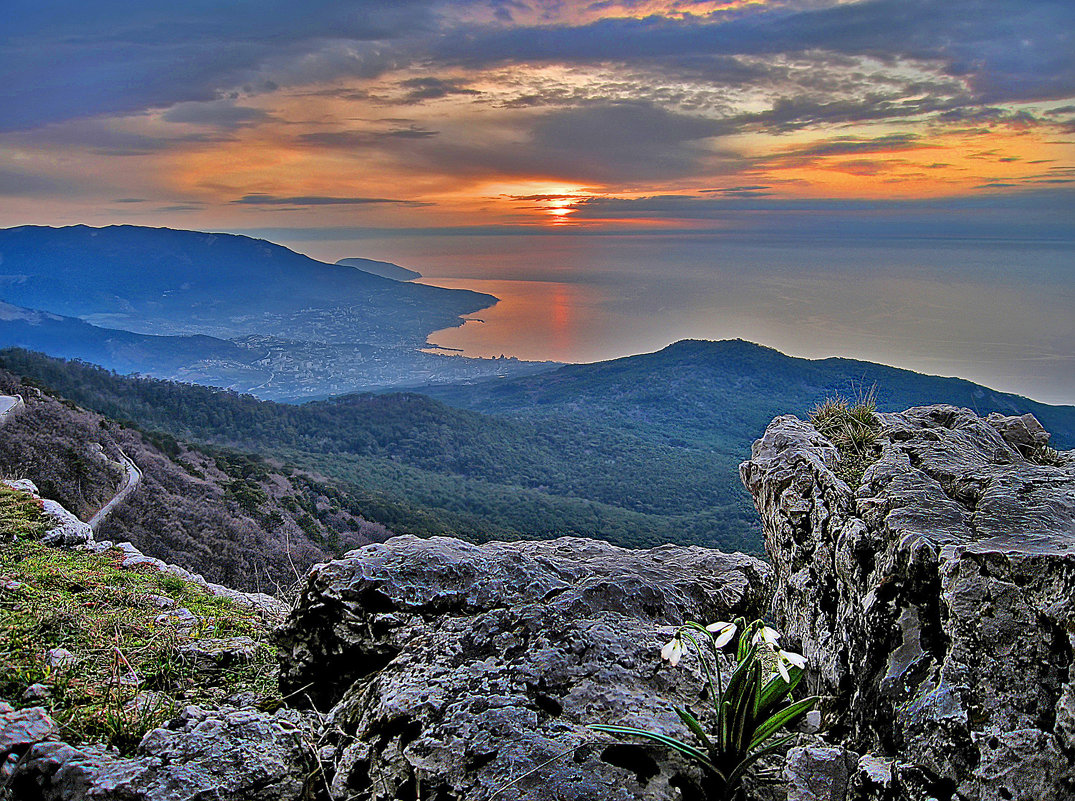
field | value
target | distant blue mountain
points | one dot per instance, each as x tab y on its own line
122	351
158	280
385	269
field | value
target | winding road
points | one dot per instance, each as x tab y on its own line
133	478
9	405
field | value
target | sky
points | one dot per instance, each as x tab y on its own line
434	130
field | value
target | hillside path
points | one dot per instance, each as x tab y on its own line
133	478
9	406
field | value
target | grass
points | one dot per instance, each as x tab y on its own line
103	614
21	515
851	426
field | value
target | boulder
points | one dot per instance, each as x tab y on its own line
936	601
225	755
455	671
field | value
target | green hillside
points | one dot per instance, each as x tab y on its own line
637	451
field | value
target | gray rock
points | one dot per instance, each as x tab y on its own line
59	658
454	669
36	692
818	773
21	728
67	530
23	485
226	755
1023	433
936	602
180	617
161	601
208	654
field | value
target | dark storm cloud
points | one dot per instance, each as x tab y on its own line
69	58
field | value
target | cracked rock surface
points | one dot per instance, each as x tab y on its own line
223	755
452	670
936	601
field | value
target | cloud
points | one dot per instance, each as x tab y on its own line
428	88
597	142
68	59
216	114
260	199
351	140
813	153
17	183
1002	51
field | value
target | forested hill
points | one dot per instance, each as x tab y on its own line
420	466
637	451
725	393
233	517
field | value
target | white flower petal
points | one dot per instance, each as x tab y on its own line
720	625
783	671
770	635
672	651
726	635
669	647
795	659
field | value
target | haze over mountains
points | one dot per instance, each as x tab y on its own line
233	311
385	269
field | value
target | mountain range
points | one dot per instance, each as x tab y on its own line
228	311
638	451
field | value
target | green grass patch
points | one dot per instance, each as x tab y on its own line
104	615
21	515
852	426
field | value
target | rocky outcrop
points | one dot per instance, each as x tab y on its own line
225	754
936	600
457	671
68	531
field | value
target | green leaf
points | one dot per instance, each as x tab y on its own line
692	723
774	692
724	725
741	768
683	748
786	715
739	675
743	730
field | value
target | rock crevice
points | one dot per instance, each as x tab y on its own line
937	598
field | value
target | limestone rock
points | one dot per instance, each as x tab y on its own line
20	729
818	773
226	755
209	654
67	530
456	669
936	602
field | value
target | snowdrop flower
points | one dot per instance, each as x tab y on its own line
788	658
673	650
724	632
767	635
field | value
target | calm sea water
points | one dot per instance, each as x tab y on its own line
997	313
